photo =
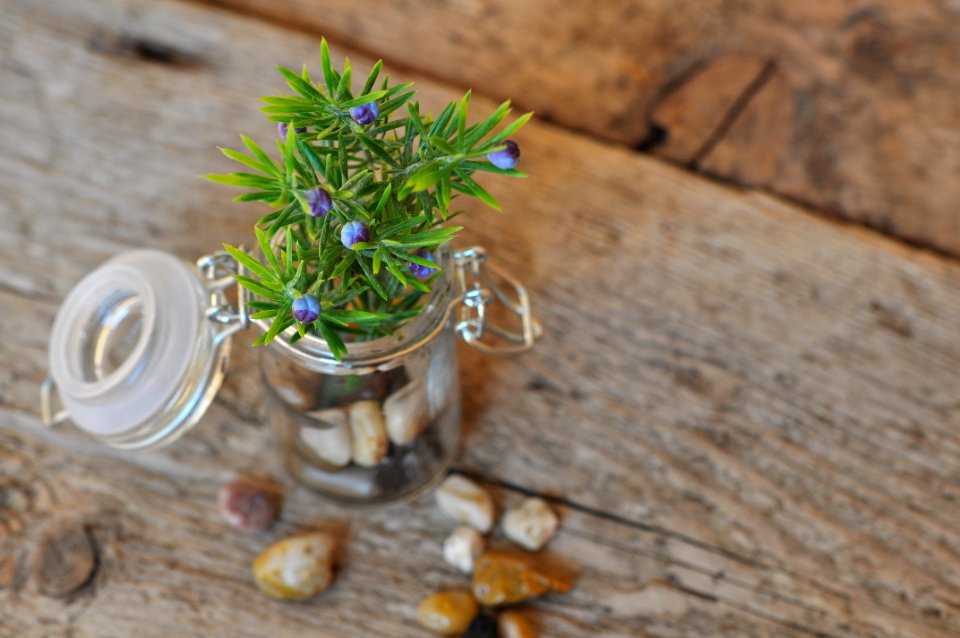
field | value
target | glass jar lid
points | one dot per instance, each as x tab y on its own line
134	355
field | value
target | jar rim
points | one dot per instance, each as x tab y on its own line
378	353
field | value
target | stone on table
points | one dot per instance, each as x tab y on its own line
462	547
448	612
296	568
505	578
513	624
465	501
531	524
250	504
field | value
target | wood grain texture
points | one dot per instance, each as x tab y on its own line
746	414
859	119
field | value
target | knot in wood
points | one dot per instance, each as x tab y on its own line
63	559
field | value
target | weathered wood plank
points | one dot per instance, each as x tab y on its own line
168	566
858	120
750	412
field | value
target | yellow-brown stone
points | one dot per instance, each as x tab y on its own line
296	568
513	624
501	578
448	612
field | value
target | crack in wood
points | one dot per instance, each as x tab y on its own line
613	518
655	529
657	135
784	623
730	117
338	39
835	217
145	49
713	574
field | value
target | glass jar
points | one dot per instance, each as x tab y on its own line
381	424
140	346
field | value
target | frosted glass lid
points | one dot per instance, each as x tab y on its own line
127	343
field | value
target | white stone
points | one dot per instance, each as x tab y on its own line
531	524
462	547
352	481
465	501
406	413
330	439
368	433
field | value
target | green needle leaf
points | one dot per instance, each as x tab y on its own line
333	340
462	116
280	323
259	289
343	87
267	251
330	77
260	155
288	263
251	264
372	78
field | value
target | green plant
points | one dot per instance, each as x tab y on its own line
361	194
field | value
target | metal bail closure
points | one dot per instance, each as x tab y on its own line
139	347
485	289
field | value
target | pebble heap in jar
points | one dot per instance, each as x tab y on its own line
375	435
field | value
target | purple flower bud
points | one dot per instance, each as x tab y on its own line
319	201
306	309
354	233
365	113
506	157
419	271
282	130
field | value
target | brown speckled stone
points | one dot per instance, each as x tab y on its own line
503	578
250	503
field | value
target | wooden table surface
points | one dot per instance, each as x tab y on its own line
746	412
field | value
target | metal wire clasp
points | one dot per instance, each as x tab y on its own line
50	414
481	286
218	271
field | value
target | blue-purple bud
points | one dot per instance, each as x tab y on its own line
365	113
319	201
420	271
506	157
282	130
306	309
354	233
